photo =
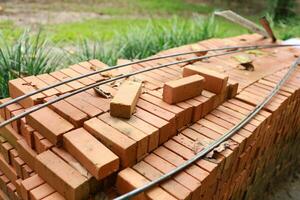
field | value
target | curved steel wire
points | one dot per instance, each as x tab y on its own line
137	62
217	142
54	100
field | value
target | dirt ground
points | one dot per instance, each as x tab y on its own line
286	188
34	14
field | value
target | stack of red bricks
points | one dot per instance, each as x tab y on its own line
74	149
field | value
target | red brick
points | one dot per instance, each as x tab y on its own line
140	137
171	186
79	102
11	188
187	108
98	159
73	74
5	148
182	177
3	182
165	128
61	176
120	144
26	171
41	191
49	124
124	102
27	132
151	131
45	144
62	77
2	110
26	153
10	108
177	160
69	112
128	179
37	137
82	70
94	63
54	196
94	99
8	170
17	123
39	84
17	164
19	87
183	89
50	80
182	117
214	81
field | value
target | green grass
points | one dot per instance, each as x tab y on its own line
133	30
29	55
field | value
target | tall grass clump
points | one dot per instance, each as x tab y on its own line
87	50
140	42
143	42
27	55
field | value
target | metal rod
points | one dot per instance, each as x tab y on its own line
54	100
265	23
217	142
136	62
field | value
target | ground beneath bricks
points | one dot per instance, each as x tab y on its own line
286	188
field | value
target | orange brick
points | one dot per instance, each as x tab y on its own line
183	89
181	115
37	137
5	148
98	159
26	171
11	188
2	110
39	84
83	70
129	179
49	124
73	74
214	81
26	153
54	196
20	87
41	191
66	180
8	170
80	103
17	123
120	144
130	131
148	129
17	164
50	80
27	132
69	112
62	77
165	129
171	186
124	102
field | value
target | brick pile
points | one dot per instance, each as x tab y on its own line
74	149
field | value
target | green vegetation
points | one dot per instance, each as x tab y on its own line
26	56
128	29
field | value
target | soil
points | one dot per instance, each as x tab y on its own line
33	14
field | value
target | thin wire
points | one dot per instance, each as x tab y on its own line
135	62
54	100
216	143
